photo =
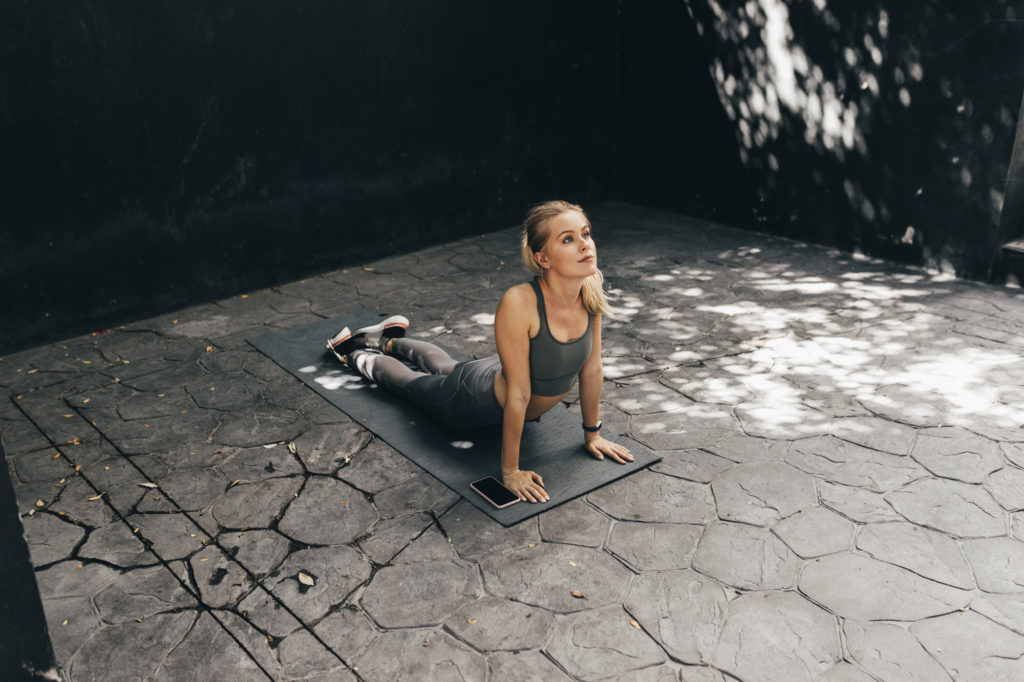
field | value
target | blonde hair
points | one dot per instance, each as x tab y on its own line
535	236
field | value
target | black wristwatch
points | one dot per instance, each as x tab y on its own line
592	429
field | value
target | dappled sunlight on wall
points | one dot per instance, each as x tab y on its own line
874	126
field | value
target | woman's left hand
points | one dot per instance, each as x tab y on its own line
599	447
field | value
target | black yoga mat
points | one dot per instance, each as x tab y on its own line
553	447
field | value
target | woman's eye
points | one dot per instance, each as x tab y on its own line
567	240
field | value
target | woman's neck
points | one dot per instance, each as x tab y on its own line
563	292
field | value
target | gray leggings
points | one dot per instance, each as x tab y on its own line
456	393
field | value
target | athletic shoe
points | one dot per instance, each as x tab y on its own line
376	336
341	344
373	337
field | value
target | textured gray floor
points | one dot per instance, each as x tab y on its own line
840	496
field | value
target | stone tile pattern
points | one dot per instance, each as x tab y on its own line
841	495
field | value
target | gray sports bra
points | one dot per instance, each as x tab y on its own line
554	364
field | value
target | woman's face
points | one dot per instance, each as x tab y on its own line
569	249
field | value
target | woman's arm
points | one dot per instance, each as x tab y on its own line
512	336
591	380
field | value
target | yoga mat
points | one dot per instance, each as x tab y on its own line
553	447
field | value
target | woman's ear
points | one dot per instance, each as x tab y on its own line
541	259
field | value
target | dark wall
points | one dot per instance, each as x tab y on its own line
677	149
161	154
877	125
158	154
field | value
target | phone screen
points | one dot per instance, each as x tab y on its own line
492	489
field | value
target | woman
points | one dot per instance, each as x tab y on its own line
548	332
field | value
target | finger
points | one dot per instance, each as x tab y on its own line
543	495
616	457
538	479
623	455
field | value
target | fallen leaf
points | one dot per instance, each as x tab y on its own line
79	566
578	594
572	563
86	401
106	468
148	485
209	349
40	503
56	456
367	269
632	621
65	622
78	467
31	512
471	620
76	441
174	322
245	295
205	558
235	482
33	371
532	544
291	448
306	579
138	620
68	416
426	642
96	497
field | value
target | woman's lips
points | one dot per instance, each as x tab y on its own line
587	259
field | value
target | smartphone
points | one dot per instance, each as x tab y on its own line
494	492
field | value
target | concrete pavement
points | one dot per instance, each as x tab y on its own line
840	497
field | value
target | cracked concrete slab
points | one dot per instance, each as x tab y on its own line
600	643
683	610
746	557
418	595
777	635
861	588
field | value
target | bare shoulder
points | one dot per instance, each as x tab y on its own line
518	309
519	297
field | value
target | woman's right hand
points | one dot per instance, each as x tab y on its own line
528	485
